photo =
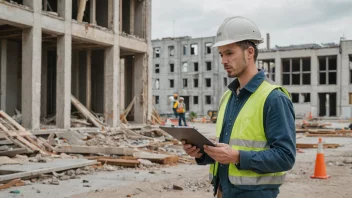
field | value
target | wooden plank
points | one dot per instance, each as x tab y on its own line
14	152
303	146
46	144
89	77
329	135
81	9
95	150
88	115
15	182
3	127
321	131
7	117
119	162
5	142
30	145
157	158
19	144
49	167
18	133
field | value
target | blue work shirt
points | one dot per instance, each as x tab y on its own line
280	131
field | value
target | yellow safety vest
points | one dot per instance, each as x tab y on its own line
248	135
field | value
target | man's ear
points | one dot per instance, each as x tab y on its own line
250	53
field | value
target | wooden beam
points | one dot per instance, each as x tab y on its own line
88	115
7	117
13	152
81	9
157	158
15	182
119	162
303	146
89	80
95	150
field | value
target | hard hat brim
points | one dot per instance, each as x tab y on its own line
227	42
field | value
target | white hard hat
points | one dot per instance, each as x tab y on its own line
181	98
236	29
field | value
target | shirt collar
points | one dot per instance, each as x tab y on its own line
252	85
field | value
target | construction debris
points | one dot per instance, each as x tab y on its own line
305	146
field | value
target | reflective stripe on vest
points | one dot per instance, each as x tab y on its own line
247	143
257	180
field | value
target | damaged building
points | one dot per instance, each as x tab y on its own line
318	76
55	51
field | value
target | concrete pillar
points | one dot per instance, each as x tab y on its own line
132	15
31	68
111	13
12	76
140	87
278	69
64	61
44	90
148	30
314	100
3	63
120	15
111	72
93	11
89	80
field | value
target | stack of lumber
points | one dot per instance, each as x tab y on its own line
14	139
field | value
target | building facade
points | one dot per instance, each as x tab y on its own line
319	77
97	51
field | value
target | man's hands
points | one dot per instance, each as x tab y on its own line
191	150
223	153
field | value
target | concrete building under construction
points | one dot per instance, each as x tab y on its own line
97	51
318	76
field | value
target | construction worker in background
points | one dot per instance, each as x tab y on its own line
175	105
181	110
255	129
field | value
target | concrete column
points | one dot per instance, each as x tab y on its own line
64	61
89	80
314	100
120	14
112	12
110	85
278	69
148	30
3	63
31	68
132	15
44	90
111	71
93	11
140	68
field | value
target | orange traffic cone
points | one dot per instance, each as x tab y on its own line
310	116
320	168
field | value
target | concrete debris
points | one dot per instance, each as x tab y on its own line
176	187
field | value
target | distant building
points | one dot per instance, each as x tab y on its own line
318	76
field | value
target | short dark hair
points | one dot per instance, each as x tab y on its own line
246	44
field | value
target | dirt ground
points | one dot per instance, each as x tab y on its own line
191	180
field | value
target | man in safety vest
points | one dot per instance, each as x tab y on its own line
175	105
255	129
181	110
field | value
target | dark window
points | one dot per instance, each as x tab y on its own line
322	78
156	99
195	100
296	79
296	65
286	65
194	49
157	52
171	50
185	50
306	97
295	97
333	63
195	82
185	82
322	63
286	79
306	79
196	67
207	100
172	67
208	48
171	83
332	78
208	65
208	82
157	69
306	64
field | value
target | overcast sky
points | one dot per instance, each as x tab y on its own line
287	21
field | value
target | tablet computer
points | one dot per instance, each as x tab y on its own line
190	135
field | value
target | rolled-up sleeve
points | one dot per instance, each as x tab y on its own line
279	126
